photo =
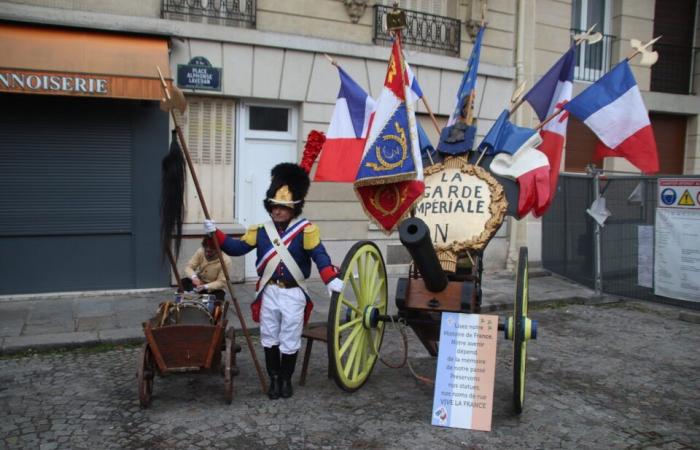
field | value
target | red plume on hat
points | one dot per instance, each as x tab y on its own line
314	143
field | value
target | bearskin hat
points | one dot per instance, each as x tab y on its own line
289	186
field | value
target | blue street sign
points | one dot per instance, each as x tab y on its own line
199	74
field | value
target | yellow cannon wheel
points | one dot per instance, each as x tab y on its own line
519	337
354	331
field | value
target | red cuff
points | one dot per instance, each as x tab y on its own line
220	237
328	273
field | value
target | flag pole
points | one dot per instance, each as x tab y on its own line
587	36
409	106
638	51
168	100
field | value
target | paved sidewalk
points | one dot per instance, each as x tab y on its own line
77	319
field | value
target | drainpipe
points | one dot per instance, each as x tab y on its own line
518	229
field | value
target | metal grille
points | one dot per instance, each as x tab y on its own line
568	243
592	61
672	73
423	30
238	13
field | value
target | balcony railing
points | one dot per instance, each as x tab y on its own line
592	61
425	31
237	13
673	72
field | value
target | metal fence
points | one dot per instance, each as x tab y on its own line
237	13
423	30
568	243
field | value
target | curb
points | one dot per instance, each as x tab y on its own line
132	336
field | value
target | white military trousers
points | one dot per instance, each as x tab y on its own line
282	318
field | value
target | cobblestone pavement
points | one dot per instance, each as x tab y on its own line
621	375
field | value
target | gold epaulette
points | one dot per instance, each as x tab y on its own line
312	237
251	236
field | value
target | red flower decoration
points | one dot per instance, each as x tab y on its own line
314	143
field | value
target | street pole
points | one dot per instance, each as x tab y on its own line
596	239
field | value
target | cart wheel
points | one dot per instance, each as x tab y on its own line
229	363
354	330
145	376
519	336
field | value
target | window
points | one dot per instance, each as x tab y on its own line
208	126
592	60
265	118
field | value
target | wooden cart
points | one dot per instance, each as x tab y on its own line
185	338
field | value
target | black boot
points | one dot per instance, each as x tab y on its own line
272	361
288	363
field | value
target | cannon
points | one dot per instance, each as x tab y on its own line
358	315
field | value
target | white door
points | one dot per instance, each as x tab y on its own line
268	137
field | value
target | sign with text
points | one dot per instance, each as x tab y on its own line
27	81
466	371
199	74
463	206
677	239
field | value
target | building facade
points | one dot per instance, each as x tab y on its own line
259	81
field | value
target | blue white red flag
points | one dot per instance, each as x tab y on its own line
530	167
415	94
613	108
347	132
389	179
517	158
504	137
467	87
549	94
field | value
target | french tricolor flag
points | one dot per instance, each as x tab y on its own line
548	95
345	139
613	108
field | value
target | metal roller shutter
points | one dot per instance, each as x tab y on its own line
68	210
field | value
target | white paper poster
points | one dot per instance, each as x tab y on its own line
466	371
645	255
677	236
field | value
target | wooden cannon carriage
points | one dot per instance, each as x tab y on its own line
358	315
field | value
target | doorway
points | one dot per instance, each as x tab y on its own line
268	137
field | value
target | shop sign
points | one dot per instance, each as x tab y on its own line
53	83
199	74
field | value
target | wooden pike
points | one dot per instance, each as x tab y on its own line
170	102
649	57
588	36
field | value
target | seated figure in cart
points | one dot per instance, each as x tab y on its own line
285	247
203	272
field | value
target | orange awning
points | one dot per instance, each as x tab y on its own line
58	61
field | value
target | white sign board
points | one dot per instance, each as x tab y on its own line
466	370
677	238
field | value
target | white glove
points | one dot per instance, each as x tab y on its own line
201	287
209	226
335	285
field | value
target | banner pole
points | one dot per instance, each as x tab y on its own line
241	319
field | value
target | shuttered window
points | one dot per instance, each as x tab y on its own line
208	125
64	171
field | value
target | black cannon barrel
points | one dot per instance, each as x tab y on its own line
415	236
